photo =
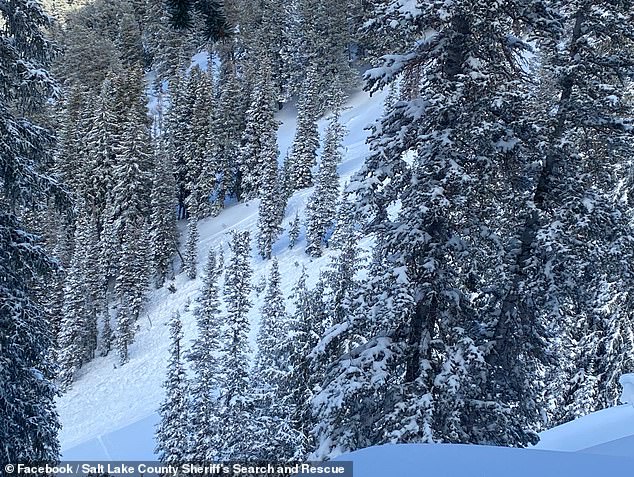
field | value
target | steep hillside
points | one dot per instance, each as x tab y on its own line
110	410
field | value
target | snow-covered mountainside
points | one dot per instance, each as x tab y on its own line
110	412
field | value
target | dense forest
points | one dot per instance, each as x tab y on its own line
496	299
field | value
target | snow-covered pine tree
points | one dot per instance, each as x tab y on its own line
90	53
83	302
73	330
131	285
171	433
183	15
346	223
298	386
206	363
106	336
128	41
306	142
72	130
191	247
100	143
228	129
271	328
235	389
322	206
262	36
272	205
423	349
28	420
259	137
275	438
166	48
178	133
163	233
94	282
221	260
340	279
126	248
292	54
293	231
579	229
325	40
218	166
51	289
200	174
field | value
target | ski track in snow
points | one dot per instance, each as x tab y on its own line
107	397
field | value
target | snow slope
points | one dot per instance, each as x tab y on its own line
609	431
439	460
110	412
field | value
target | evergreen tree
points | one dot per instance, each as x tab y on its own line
178	133
264	40
89	55
72	337
298	384
28	421
208	369
221	260
325	41
182	16
306	141
323	204
275	437
94	283
129	41
259	139
82	302
293	232
581	188
166	48
163	233
271	209
131	285
171	433
200	173
73	127
106	336
100	143
191	248
235	390
124	253
228	128
421	355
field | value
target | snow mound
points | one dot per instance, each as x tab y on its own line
452	460
599	430
627	381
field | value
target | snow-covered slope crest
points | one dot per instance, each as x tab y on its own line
451	460
603	431
108	404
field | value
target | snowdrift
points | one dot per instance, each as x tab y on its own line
436	460
609	432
